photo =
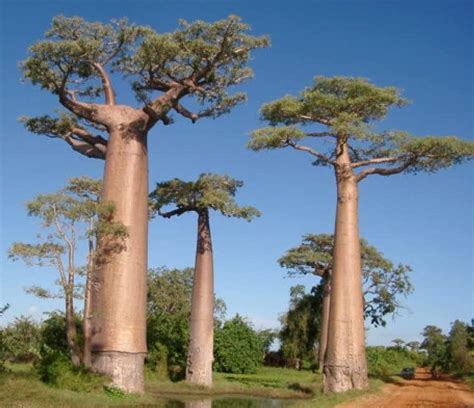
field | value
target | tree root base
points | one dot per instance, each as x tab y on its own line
125	369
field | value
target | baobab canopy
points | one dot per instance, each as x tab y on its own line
199	59
209	191
383	282
346	107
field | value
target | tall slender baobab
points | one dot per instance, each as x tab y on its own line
345	107
209	192
74	63
382	281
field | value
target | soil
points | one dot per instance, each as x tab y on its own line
422	391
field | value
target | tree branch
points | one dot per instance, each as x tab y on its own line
384	172
177	211
106	84
377	161
314	119
320	134
311	151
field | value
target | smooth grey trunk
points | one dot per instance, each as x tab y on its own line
200	353
345	365
71	332
324	320
119	306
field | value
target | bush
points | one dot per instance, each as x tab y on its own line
57	370
20	341
384	362
237	347
157	361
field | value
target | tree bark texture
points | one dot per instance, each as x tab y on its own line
345	365
324	319
200	353
119	318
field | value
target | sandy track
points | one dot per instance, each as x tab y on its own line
422	391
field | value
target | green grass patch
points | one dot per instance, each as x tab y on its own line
21	387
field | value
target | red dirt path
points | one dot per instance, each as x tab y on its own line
422	391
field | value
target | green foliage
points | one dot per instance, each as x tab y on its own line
458	351
77	56
169	309
383	281
434	342
346	107
301	325
237	347
66	215
71	45
383	362
215	55
58	371
20	341
210	191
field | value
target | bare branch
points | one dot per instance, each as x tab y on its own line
311	151
377	161
106	84
315	119
186	113
320	134
383	172
177	211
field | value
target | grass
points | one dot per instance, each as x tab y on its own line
21	387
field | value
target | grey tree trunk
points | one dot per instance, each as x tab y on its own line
200	353
71	331
345	365
324	319
87	315
119	306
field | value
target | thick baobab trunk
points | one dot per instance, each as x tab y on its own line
71	332
324	319
200	353
345	365
119	307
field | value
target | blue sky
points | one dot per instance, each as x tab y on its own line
425	221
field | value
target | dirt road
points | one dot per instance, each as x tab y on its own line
422	391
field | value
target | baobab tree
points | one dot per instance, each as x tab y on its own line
208	192
74	62
69	216
382	281
342	109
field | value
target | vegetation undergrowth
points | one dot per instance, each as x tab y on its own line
20	386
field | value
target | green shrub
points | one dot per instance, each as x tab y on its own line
157	361
20	340
384	362
237	347
57	370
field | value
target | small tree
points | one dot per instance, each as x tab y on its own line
74	62
342	109
434	342
209	192
399	343
301	324
414	346
459	355
383	282
67	216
